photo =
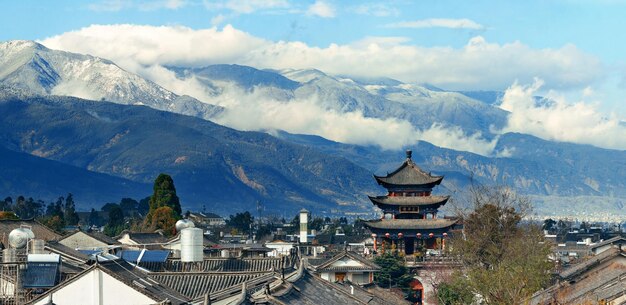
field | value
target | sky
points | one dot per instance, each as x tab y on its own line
569	50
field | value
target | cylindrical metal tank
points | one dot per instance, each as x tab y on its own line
37	246
184	224
18	238
191	245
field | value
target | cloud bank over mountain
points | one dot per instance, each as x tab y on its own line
557	119
477	65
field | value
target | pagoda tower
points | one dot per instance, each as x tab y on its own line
409	209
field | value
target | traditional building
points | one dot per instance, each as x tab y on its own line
409	209
348	266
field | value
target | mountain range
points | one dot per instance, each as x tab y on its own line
48	116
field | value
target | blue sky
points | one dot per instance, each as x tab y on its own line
578	43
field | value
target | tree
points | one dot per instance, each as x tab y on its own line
8	215
94	218
70	215
5	205
165	218
27	208
129	206
549	225
55	223
116	221
241	221
504	260
164	195
144	206
107	207
393	272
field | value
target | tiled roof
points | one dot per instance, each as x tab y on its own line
411	224
589	263
66	252
139	280
410	200
194	285
147	238
40	231
616	239
307	290
409	174
132	277
605	281
230	265
367	265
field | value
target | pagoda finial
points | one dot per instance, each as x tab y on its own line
409	153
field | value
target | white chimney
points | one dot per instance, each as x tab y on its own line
304	220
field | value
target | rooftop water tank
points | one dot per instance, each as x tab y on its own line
184	224
18	238
191	245
37	246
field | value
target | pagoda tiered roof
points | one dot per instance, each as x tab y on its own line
411	224
409	174
409	200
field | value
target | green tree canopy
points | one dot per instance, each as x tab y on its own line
70	215
393	272
164	195
241	221
116	222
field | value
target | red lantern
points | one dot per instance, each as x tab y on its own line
400	235
431	235
419	235
387	235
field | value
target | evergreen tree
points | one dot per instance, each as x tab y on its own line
71	217
164	218
144	206
129	206
5	205
164	195
116	221
94	218
27	208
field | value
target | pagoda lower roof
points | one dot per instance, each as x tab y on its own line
411	224
410	200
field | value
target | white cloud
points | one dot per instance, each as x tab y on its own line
376	9
438	23
118	5
217	20
245	6
477	65
321	9
110	5
560	120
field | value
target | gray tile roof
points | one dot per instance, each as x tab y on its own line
308	290
411	224
589	263
367	265
231	265
130	276
409	174
194	285
40	231
409	200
